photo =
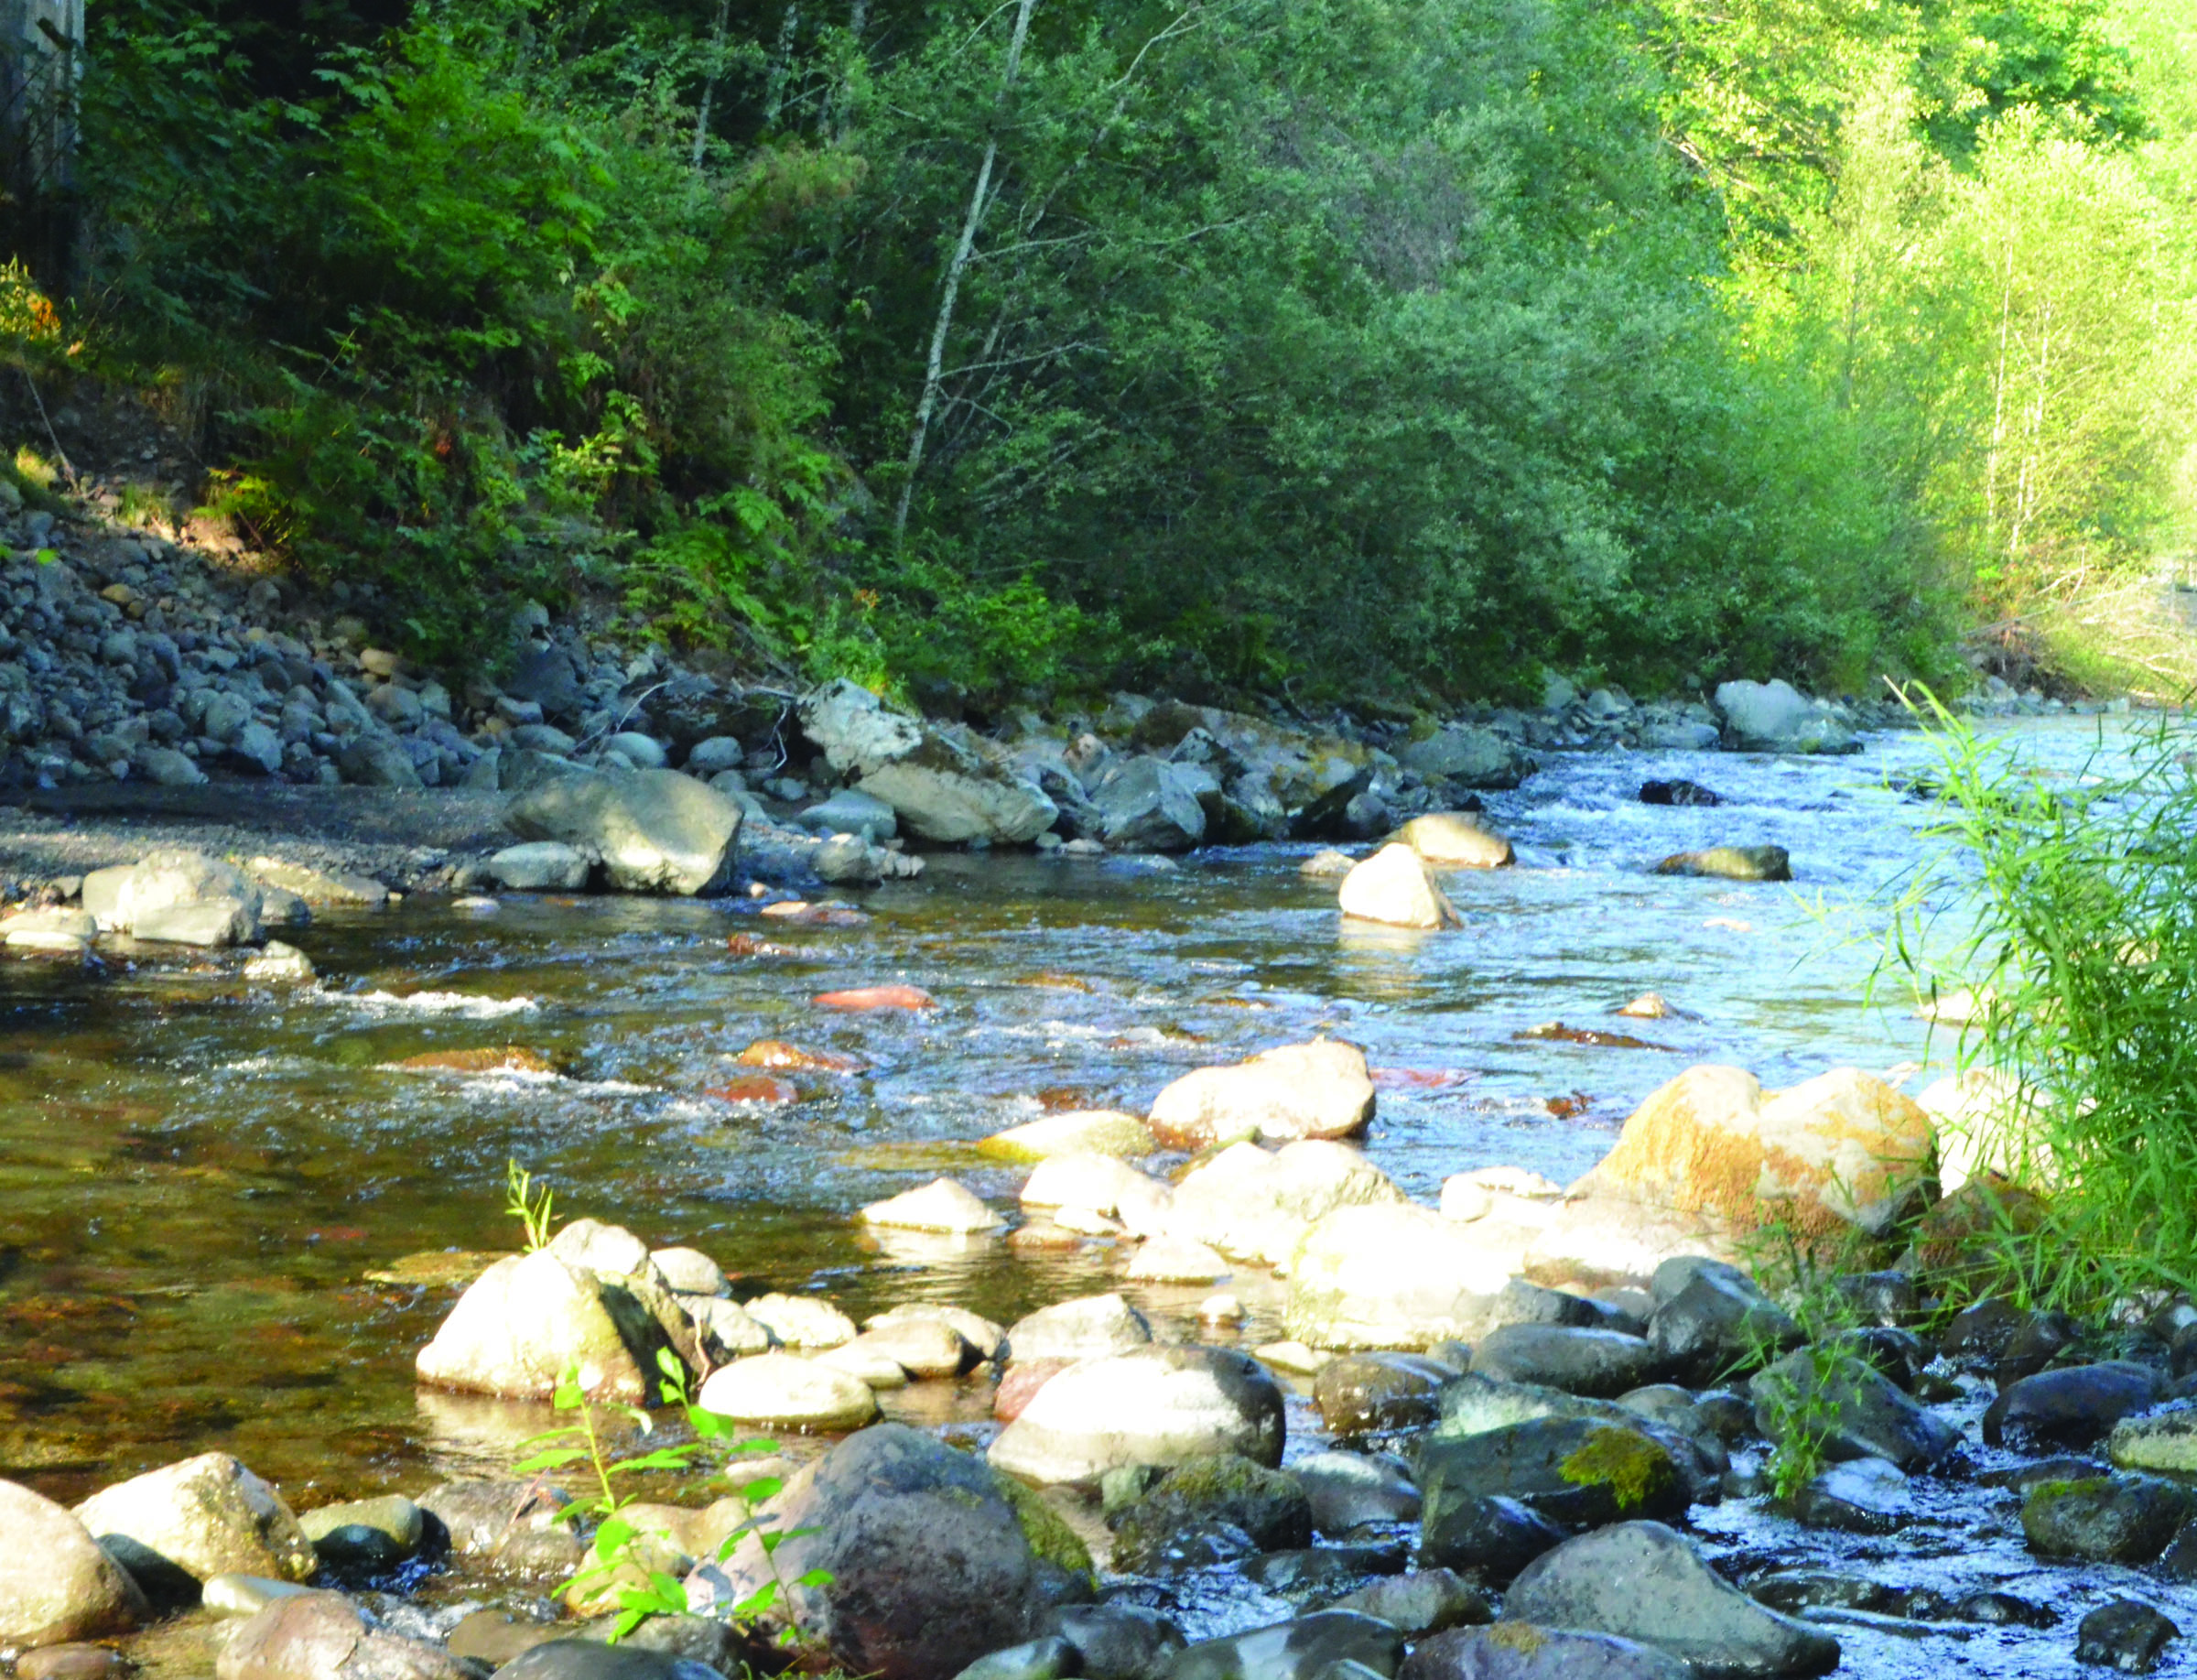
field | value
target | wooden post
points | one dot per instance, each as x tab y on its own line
41	64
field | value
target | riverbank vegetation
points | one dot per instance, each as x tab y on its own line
2061	913
1381	348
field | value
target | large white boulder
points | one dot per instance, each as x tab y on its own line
1255	1204
522	1322
1321	1089
1156	1405
653	831
780	1391
176	1527
56	1583
1390	1276
1102	1186
1393	886
176	895
1987	1124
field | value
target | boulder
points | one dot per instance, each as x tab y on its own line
1118	1642
925	1557
1393	886
1378	1393
1597	1238
1177	1259
2128	1635
1338	1644
1715	1323
1861	1496
56	1583
1989	1129
1775	717
1081	1132
1102	1187
1848	1410
174	1527
1389	1276
1346	1489
1601	1363
801	1320
1642	1581
2122	1519
1467	755
541	866
365	1536
1257	1204
1320	1089
2072	1407
1150	805
1574	1471
527	1318
375	758
1424	1601
318	886
1267	1504
1519	1651
1730	863
851	811
653	831
1090	1327
322	1636
2164	1441
1844	1151
1154	1405
986	1339
1455	840
943	1205
511	1528
944	786
781	1390
922	1347
175	894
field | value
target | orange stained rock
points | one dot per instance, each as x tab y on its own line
877	997
777	1053
511	1058
757	1089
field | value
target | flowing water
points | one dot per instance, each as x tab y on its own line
196	1180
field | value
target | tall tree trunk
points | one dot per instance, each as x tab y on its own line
717	64
41	62
926	405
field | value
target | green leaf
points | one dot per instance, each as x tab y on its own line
555	1458
761	1489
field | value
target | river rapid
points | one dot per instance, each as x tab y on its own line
197	1179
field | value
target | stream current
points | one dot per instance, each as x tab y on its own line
197	1178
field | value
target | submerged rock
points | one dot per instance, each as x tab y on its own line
2126	1634
1335	1642
322	1636
1519	1651
1093	1132
1731	863
1393	886
942	1205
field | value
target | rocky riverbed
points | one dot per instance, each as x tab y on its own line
1145	1256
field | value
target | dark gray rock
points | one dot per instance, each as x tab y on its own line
1120	1641
1642	1581
546	677
1346	1490
2125	1634
1296	1650
1519	1651
2076	1405
1038	1659
1373	1393
1425	1601
2108	1518
361	1537
1317	1576
1572	1470
585	1659
1485	1534
1716	1323
1794	1591
1979	1335
1472	1404
1854	1412
1267	1505
1863	1496
926	1560
2040	1338
1599	1363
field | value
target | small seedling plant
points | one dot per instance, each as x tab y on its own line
619	1551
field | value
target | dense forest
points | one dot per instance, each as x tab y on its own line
1387	347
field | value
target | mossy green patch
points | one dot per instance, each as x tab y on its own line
1049	1536
1630	1466
1522	1637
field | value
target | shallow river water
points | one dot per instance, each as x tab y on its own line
196	1180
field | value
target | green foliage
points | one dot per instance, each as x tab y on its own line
528	1206
2069	905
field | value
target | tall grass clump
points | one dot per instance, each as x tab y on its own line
2073	905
